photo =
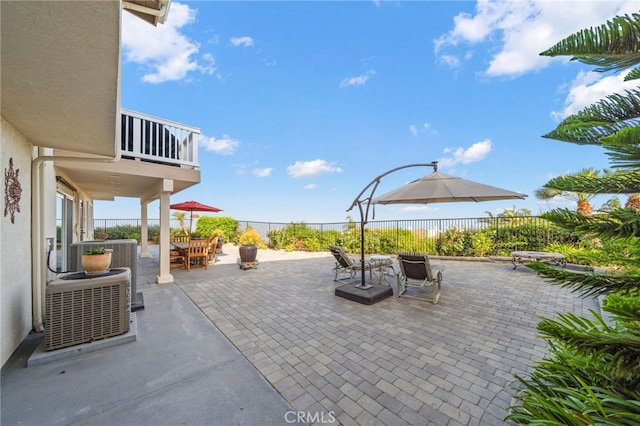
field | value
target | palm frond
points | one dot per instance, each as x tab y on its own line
614	45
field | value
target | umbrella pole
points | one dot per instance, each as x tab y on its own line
362	285
364	217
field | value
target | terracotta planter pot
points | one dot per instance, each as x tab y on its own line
96	263
248	254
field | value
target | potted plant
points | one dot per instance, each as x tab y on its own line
220	234
249	241
96	260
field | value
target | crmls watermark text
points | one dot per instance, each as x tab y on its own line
319	417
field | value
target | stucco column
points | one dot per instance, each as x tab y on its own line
144	230
164	244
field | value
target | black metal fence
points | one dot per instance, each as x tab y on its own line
458	237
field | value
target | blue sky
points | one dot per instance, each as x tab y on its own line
301	104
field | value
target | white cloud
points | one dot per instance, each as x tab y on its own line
264	172
589	88
242	41
308	169
475	152
225	146
415	130
164	52
517	31
451	61
311	186
358	80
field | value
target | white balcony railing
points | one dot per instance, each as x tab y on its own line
157	140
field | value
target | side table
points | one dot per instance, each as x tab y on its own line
381	265
520	257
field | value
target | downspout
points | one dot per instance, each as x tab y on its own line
38	248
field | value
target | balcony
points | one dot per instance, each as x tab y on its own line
160	141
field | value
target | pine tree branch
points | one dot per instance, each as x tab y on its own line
621	348
617	182
587	284
614	45
634	74
626	308
600	120
616	224
623	147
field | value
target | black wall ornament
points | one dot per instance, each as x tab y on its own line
12	191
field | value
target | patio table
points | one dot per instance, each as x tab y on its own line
181	246
381	265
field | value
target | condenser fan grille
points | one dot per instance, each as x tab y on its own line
86	310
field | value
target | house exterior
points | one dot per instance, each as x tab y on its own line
67	142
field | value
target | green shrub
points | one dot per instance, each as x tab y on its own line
482	242
126	232
153	233
120	232
529	236
207	224
454	242
593	252
250	237
301	237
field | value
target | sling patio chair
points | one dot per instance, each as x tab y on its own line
346	264
417	271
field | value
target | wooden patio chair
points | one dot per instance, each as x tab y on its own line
176	258
197	254
176	255
417	271
346	264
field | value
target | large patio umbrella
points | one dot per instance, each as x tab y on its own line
440	188
434	188
193	206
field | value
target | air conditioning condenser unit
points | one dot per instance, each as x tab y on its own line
82	309
125	255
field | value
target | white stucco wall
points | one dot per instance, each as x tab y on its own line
15	246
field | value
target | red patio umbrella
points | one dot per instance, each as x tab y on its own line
191	206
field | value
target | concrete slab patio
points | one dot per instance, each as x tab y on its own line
231	346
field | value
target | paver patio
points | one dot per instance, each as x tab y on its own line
400	361
287	344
